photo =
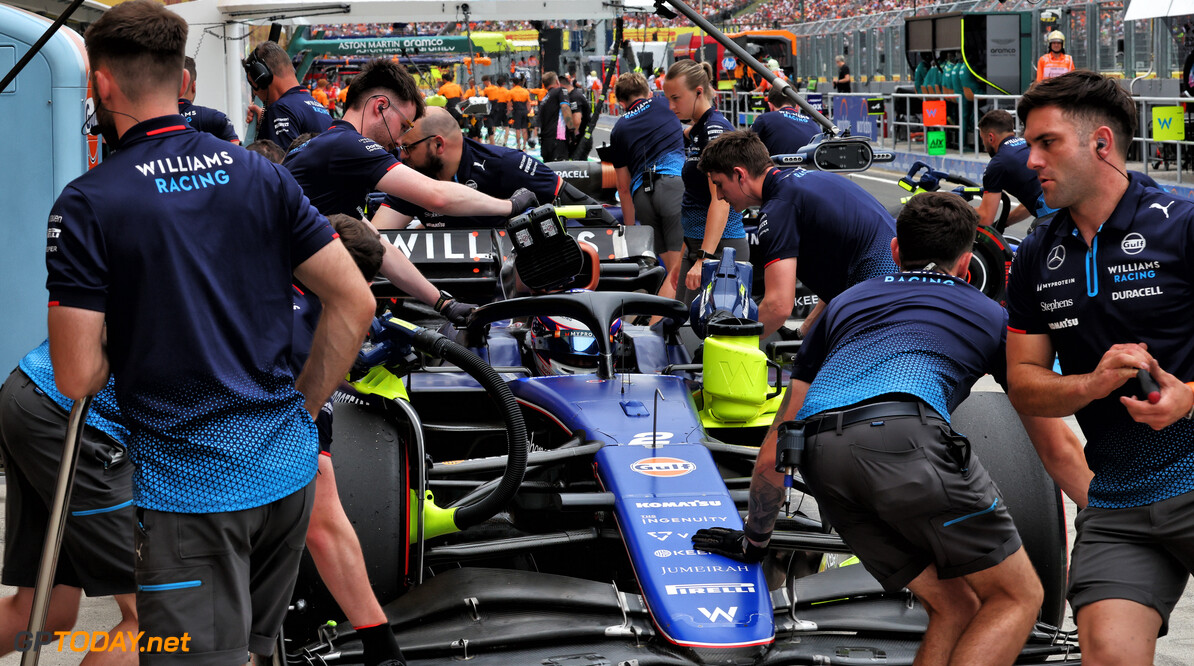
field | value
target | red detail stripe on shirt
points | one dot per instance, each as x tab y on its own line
1016	330
54	304
335	235
559	184
300	291
393	165
173	128
772	262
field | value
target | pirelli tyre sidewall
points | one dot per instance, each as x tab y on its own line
989	263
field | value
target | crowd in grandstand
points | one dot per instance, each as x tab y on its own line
727	13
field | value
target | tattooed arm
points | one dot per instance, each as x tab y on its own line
766	484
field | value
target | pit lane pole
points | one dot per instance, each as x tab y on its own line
56	527
754	64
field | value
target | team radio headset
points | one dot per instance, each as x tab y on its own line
258	72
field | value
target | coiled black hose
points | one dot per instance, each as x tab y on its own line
433	343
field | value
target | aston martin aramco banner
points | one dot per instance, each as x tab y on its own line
487	42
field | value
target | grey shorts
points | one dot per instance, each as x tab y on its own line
660	210
224	579
1143	554
97	547
904	493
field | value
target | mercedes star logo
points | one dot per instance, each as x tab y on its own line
1056	257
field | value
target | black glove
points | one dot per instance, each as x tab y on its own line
456	312
731	543
521	200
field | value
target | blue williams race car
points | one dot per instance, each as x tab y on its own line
509	515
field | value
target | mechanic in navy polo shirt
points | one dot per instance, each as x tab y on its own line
874	385
201	117
437	149
169	267
709	223
647	151
820	228
340	167
331	538
783	129
1107	285
290	110
1008	171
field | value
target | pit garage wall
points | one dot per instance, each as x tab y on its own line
42	112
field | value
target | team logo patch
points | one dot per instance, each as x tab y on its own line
1133	243
1056	257
663	467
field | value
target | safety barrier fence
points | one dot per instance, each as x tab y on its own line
894	121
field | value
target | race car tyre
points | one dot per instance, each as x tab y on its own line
369	454
989	421
989	263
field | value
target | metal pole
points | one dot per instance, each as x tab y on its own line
57	525
757	66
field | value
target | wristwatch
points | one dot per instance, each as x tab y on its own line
701	255
1190	414
444	297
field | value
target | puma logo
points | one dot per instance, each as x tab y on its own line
1163	209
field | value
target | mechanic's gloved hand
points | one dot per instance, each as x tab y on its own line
521	200
731	543
456	312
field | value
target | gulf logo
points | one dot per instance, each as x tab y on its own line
663	467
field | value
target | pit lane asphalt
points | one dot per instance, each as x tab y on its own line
1176	649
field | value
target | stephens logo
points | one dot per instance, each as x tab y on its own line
663	467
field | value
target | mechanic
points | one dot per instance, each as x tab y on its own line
842	82
451	91
201	117
1008	170
203	383
555	114
873	387
499	99
1055	62
647	152
97	546
289	109
331	539
581	113
820	228
267	149
783	129
520	99
436	150
340	167
1106	285
710	224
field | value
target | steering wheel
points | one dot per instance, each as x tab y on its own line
595	309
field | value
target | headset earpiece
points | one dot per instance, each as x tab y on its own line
1100	144
258	72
